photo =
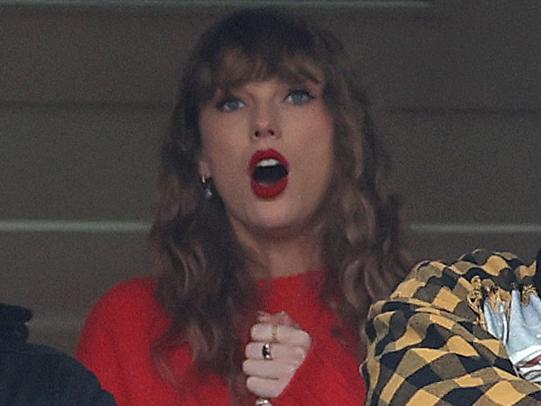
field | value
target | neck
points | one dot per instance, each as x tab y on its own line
283	254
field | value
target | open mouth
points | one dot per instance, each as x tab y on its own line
268	171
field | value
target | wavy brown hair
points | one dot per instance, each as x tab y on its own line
204	282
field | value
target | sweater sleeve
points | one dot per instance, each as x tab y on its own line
324	378
427	344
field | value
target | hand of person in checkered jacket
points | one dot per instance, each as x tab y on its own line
455	334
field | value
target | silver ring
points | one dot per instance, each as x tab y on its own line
263	402
266	352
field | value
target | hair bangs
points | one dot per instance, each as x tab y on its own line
236	69
256	46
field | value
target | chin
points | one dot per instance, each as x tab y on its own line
269	223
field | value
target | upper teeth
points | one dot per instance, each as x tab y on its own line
268	162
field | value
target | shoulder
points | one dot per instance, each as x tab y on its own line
31	373
128	296
457	287
478	262
131	291
430	278
129	305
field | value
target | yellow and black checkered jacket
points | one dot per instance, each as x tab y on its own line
428	343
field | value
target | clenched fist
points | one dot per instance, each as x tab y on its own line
277	349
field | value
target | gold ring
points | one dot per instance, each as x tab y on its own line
266	352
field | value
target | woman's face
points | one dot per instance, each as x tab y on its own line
268	146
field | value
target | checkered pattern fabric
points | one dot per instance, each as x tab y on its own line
428	344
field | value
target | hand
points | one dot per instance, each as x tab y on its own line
289	345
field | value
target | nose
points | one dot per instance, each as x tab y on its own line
265	123
264	131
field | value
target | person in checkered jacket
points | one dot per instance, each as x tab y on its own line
463	333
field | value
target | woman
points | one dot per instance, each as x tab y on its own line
274	233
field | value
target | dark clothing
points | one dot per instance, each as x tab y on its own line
39	375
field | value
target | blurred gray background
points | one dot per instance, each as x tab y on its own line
86	88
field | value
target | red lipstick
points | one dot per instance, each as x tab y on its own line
268	160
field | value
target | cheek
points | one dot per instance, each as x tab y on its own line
220	146
316	156
323	156
226	166
318	138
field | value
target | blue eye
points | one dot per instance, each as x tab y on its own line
230	104
298	97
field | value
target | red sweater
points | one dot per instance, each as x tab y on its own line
118	333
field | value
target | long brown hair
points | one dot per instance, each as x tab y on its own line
203	281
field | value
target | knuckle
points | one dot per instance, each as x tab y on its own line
290	370
299	354
296	362
279	388
286	317
305	337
